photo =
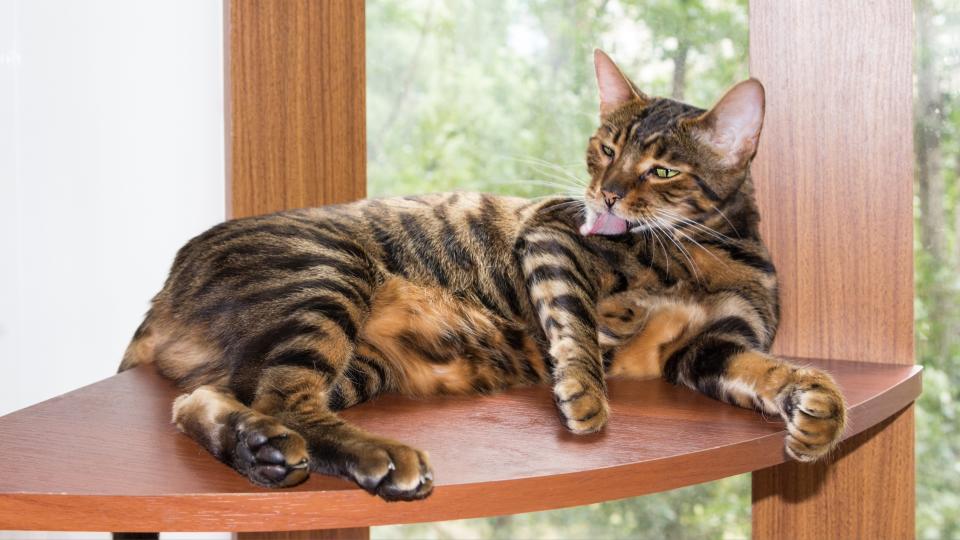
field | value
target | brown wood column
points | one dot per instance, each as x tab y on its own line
296	123
834	176
296	120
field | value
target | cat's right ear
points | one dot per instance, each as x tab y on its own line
615	88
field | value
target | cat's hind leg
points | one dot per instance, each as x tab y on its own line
257	445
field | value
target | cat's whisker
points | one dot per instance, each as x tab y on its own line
656	236
552	169
680	220
543	162
550	196
686	255
566	182
711	253
724	216
543	184
695	224
688	237
534	181
569	204
698	244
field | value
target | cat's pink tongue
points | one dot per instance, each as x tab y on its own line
606	223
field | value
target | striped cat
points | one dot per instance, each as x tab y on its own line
272	324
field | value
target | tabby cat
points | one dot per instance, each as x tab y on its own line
272	324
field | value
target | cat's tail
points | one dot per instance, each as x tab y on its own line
141	348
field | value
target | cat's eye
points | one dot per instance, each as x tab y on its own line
663	172
606	150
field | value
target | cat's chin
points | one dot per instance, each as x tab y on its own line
605	223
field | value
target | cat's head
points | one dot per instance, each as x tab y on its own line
655	161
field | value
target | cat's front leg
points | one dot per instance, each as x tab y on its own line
565	301
808	399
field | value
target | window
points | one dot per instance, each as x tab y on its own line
499	96
937	249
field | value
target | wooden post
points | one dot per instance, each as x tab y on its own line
834	178
296	120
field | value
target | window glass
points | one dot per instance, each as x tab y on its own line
499	96
937	250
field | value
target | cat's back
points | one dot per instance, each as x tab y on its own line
444	239
457	220
243	274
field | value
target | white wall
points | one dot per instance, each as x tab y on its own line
111	157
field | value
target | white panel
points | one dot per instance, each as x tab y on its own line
111	157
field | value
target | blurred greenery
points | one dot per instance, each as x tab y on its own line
937	250
473	95
498	96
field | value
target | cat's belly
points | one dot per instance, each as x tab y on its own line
438	343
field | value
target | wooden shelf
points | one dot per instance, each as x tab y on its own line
105	457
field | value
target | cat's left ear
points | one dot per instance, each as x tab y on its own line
732	126
615	88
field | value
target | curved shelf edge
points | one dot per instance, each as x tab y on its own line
137	474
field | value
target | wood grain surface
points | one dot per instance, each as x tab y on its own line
834	176
105	457
834	173
296	123
852	500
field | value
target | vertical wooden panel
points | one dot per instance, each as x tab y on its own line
866	491
834	173
834	177
295	96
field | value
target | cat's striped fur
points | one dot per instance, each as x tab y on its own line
271	324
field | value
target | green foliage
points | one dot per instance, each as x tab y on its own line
937	305
473	95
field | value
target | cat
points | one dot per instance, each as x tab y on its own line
272	324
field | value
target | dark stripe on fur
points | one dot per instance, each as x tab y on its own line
331	309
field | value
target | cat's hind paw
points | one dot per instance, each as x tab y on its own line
269	453
393	471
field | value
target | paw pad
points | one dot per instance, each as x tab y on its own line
270	454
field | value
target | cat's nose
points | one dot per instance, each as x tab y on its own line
611	197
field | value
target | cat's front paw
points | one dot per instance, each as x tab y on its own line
584	408
815	413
